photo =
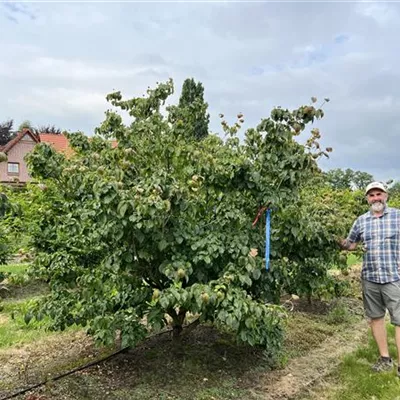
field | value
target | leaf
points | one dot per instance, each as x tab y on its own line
256	274
164	302
162	244
128	257
176	294
28	317
248	322
122	207
108	199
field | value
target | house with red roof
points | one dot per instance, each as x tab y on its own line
60	143
15	170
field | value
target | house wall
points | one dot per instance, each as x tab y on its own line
16	154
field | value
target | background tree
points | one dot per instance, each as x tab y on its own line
348	179
394	189
49	129
361	180
192	110
26	125
6	132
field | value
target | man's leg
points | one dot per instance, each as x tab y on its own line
392	300
398	343
378	328
375	309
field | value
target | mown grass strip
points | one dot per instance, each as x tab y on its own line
17	269
356	381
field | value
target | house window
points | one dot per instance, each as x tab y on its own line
13	168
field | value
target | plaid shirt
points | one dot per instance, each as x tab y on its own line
381	239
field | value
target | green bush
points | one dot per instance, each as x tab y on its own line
5	242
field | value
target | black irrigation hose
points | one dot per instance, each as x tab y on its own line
56	378
77	369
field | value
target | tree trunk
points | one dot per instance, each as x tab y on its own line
177	322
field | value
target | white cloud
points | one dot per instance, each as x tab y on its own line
304	49
75	69
73	16
61	101
380	12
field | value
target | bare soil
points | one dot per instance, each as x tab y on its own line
22	366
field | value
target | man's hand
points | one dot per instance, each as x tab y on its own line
346	245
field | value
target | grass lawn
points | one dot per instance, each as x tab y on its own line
358	382
353	259
18	269
13	329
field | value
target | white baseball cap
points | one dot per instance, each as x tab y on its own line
376	185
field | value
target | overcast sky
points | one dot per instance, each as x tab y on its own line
59	60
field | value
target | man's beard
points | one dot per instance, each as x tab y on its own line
377	206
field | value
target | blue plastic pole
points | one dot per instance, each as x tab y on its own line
267	238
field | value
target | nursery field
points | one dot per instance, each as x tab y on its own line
326	354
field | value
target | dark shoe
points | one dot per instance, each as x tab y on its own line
398	372
383	365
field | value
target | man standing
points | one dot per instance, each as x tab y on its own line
379	232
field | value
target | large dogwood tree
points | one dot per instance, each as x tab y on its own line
161	224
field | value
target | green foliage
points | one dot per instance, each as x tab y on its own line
5	243
17	269
3	287
353	259
191	112
20	328
348	179
8	279
6	132
18	279
49	129
25	125
301	234
339	314
19	220
394	191
11	275
162	224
